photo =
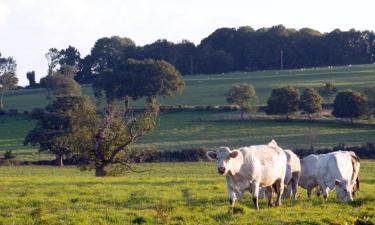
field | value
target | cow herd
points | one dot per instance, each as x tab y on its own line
264	169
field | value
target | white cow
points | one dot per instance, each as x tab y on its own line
249	168
339	170
309	178
292	175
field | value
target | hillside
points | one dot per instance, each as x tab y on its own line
210	89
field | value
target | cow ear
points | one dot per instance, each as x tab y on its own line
233	154
211	155
337	182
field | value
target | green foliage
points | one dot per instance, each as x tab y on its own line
60	123
370	99
136	79
243	96
283	100
311	101
349	104
31	77
104	142
8	154
59	85
8	81
329	90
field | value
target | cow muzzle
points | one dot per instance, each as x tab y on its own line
221	170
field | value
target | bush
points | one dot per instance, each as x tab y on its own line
8	154
13	112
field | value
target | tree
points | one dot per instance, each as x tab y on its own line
60	124
70	56
311	101
8	79
134	79
58	85
31	77
53	57
328	91
112	138
370	98
283	100
349	104
244	96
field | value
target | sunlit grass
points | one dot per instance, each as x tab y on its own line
170	193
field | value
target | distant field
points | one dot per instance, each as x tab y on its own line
210	89
171	193
184	130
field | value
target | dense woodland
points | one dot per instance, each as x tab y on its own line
231	49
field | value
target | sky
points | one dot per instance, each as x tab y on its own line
28	28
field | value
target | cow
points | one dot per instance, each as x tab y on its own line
248	168
309	173
292	174
339	170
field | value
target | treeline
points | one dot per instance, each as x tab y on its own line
225	50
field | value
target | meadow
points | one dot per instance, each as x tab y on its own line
210	89
169	193
184	130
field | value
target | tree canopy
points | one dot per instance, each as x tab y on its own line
311	101
349	104
285	100
244	96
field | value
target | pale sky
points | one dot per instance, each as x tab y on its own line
28	28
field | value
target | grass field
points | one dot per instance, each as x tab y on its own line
184	130
170	193
210	89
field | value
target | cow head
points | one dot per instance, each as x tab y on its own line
344	190
224	157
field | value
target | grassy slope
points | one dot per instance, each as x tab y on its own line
189	193
179	131
210	89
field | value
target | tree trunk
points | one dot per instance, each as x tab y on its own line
1	100
59	160
126	103
100	171
242	114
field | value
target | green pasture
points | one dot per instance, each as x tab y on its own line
183	130
210	89
168	193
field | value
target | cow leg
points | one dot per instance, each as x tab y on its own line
309	193
325	191
232	198
294	187
318	191
255	194
279	184
269	196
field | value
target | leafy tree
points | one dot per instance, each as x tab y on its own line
112	138
53	57
68	70
311	101
328	91
135	79
283	100
243	96
8	79
31	77
349	104
70	56
60	124
106	54
58	85
370	98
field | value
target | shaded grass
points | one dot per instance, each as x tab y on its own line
171	193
